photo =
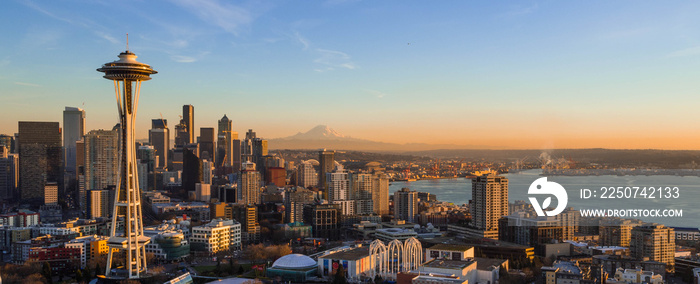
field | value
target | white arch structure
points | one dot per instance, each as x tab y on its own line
388	260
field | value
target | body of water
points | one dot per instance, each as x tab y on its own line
459	191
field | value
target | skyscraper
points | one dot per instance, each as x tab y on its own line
188	118
306	175
489	203
191	169
127	75
101	158
225	142
294	201
101	162
9	174
405	205
380	194
181	135
249	185
159	138
39	146
362	193
146	156
655	242
326	161
73	130
207	143
339	190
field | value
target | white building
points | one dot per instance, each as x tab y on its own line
390	234
218	235
637	276
355	261
362	193
306	175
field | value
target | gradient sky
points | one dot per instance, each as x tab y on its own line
520	74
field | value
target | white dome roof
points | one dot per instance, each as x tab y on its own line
294	261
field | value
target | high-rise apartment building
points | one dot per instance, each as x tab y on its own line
51	193
655	242
207	143
101	159
249	185
306	175
326	160
147	161
405	205
99	203
617	232
294	201
324	219
362	193
380	194
489	203
39	146
247	215
188	118
340	191
159	138
73	130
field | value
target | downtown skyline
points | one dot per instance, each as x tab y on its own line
506	75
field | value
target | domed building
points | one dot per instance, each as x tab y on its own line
293	267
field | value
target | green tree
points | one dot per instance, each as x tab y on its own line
339	276
46	272
79	276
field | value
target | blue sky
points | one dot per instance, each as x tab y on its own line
515	74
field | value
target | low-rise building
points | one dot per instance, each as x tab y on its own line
449	252
355	261
91	248
637	276
218	235
390	234
462	269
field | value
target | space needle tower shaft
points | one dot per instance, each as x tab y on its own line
127	75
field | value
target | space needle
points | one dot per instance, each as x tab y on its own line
127	75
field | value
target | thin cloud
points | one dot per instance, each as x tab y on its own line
107	37
183	59
692	51
376	93
187	59
334	59
96	28
518	10
39	9
230	18
27	84
301	40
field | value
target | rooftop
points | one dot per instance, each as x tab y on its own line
488	264
448	264
350	255
450	247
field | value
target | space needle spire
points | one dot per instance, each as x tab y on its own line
127	75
